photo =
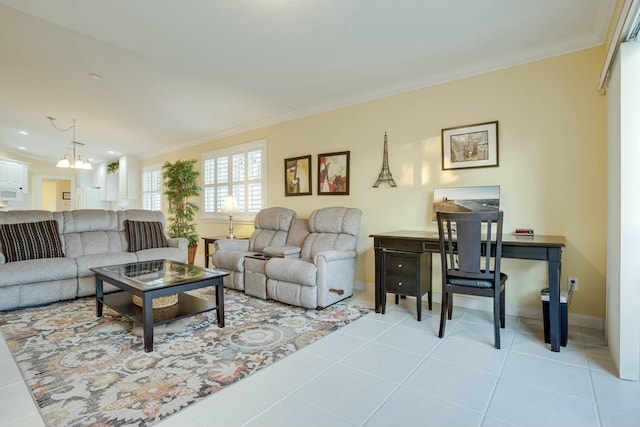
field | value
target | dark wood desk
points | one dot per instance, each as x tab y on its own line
538	248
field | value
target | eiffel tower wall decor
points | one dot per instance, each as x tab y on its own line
385	173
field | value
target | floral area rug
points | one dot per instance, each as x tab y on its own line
88	371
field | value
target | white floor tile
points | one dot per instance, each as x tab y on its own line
294	412
354	399
442	379
392	315
16	403
492	422
366	328
593	336
410	339
237	404
574	353
525	405
483	357
390	363
430	322
411	408
611	417
33	420
336	346
615	393
486	318
5	353
531	326
9	373
481	333
557	376
295	370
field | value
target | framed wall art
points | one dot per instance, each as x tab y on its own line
297	173
471	146
66	195
333	173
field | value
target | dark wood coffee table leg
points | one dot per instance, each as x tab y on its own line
220	304
147	322
99	296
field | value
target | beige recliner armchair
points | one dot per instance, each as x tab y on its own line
271	230
325	272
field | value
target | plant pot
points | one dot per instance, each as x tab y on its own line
192	253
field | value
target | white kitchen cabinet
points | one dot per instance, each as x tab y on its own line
129	177
14	174
108	183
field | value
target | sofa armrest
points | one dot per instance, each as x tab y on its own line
231	245
2	258
283	251
178	242
334	255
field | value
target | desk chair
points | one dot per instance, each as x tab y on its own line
467	256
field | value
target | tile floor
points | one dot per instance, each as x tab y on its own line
391	370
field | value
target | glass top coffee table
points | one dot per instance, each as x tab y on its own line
147	280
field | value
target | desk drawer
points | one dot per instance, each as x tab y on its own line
399	284
401	264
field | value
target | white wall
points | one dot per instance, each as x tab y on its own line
623	241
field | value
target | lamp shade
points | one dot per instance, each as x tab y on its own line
63	162
230	205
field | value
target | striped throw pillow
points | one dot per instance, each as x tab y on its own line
30	240
145	235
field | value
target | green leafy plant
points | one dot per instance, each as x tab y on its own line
181	183
113	167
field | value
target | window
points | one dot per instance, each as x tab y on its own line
152	188
239	171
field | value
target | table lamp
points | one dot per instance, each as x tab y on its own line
230	206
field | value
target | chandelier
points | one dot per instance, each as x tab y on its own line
75	162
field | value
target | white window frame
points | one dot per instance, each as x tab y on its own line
146	174
243	215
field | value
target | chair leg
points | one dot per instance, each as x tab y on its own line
450	304
443	313
502	309
496	320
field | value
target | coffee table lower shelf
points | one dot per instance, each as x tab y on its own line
187	305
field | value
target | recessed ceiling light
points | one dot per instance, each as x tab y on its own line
22	148
111	152
95	76
23	132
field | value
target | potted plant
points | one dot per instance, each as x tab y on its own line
181	183
113	167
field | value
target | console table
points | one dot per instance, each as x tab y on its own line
538	248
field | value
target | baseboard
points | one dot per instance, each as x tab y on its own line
479	303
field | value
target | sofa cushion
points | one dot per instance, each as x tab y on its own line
145	235
30	240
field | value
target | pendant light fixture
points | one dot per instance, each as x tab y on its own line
76	161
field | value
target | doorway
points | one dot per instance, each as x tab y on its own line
55	193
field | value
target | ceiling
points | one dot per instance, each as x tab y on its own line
175	73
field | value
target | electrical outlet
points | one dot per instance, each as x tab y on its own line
572	283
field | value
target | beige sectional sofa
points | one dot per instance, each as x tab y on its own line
310	262
87	238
